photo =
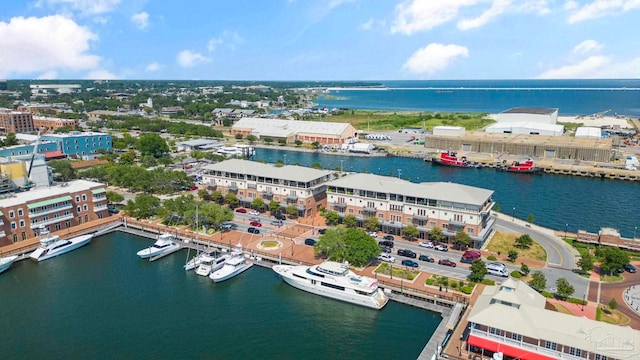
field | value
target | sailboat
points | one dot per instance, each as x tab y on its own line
195	262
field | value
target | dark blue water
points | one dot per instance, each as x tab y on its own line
553	200
103	302
572	97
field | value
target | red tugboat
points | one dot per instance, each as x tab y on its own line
519	167
449	158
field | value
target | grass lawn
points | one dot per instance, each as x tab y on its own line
389	120
560	308
614	317
502	242
611	278
398	271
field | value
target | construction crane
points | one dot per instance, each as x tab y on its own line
28	184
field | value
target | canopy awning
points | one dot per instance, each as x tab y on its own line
49	202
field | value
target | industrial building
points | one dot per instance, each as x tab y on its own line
531	121
449	130
292	130
588	132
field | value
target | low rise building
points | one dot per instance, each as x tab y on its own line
81	144
302	187
398	203
292	130
12	121
53	208
511	319
50	124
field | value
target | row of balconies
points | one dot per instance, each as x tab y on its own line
54	220
33	214
526	346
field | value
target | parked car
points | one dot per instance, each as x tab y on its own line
228	226
388	238
630	268
407	253
441	247
322	231
310	241
386	243
254	212
192	188
384	248
112	209
426	258
253	218
386	257
497	265
410	263
426	244
373	234
472	254
280	217
446	262
253	230
277	223
255	223
241	210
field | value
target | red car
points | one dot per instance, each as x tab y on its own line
255	223
446	262
193	188
241	210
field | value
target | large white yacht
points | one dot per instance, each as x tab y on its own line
163	245
5	262
238	150
53	245
336	281
210	264
234	265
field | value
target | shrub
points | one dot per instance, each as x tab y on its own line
488	282
492	258
461	284
577	301
429	282
410	277
516	274
454	285
547	294
466	289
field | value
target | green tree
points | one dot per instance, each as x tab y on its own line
315	145
524	269
258	204
274	207
267	140
282	142
332	217
216	196
238	136
348	244
586	263
462	239
316	165
563	288
152	144
613	258
371	223
496	207
523	241
114	197
292	210
128	158
148	161
204	195
298	143
64	168
538	281
613	304
231	199
512	255
143	206
410	232
10	140
530	219
252	139
436	235
478	270
350	221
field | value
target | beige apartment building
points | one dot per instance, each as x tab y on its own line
398	203
302	187
54	208
49	124
12	121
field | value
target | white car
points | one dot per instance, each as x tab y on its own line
373	234
426	244
254	212
386	257
497	265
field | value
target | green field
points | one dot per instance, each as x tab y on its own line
390	120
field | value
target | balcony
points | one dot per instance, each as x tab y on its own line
99	197
420	217
53	221
292	197
33	214
252	186
233	188
267	194
524	345
100	208
369	210
456	223
2	233
340	205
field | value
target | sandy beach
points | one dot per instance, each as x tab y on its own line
599	121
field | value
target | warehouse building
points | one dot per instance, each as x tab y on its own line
531	121
292	130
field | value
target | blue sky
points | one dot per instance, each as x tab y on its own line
319	39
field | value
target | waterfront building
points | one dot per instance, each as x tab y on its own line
12	121
54	208
292	130
529	121
47	123
302	187
81	144
511	319
398	203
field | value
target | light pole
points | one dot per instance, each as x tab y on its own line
341	170
513	215
292	242
635	228
399	173
285	159
584	300
565	231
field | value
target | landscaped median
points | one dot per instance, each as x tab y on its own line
399	272
516	248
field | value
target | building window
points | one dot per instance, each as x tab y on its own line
24	235
78	209
84	197
444	226
575	352
550	345
15	237
57	227
22	223
470	230
12	214
494	331
85	207
516	337
67	224
77	198
13	225
600	357
20	212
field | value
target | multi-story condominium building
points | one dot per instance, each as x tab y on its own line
511	319
78	143
54	208
302	187
47	123
398	203
12	121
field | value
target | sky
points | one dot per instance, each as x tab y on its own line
319	39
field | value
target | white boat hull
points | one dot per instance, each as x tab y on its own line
151	251
224	274
6	262
378	301
195	262
41	254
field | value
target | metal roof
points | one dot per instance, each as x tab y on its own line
266	126
527	110
287	172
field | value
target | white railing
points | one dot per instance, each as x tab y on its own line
100	208
49	210
2	233
519	344
53	220
99	197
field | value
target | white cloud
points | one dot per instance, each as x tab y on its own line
188	58
85	7
417	15
48	75
213	43
335	3
434	57
51	43
141	20
587	46
102	20
100	74
571	5
229	37
590	67
154	66
599	8
371	24
497	8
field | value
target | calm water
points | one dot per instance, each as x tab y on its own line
554	200
103	302
572	97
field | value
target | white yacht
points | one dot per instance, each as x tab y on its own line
6	262
233	266
163	245
53	245
336	281
241	150
195	261
210	264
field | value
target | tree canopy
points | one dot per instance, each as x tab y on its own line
563	288
613	258
538	281
478	270
152	144
523	241
348	244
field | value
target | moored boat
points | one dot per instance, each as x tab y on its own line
520	167
210	264
163	245
6	262
334	280
450	158
234	265
53	245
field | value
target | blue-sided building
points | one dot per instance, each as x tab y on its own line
81	144
21	150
